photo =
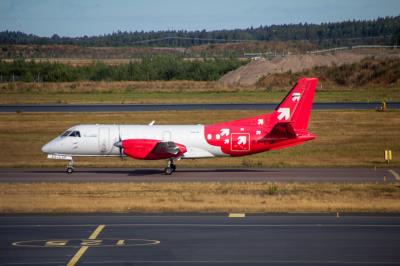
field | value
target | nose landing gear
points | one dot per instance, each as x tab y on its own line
70	166
170	167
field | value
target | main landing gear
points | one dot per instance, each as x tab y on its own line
170	167
70	166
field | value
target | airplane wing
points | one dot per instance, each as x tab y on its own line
151	149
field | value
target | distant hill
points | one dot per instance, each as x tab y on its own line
378	31
367	72
283	70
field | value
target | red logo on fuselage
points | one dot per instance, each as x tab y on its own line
240	142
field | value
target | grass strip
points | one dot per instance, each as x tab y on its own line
247	197
157	92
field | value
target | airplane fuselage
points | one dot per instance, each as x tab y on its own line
286	126
99	140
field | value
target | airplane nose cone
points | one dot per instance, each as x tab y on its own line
46	148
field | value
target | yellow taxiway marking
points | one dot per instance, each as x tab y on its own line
77	256
396	175
237	215
83	249
121	242
97	231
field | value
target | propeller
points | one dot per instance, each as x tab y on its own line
118	144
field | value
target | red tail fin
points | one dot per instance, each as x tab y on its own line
296	106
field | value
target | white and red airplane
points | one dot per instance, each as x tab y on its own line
286	126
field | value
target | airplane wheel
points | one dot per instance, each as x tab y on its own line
70	170
173	166
168	170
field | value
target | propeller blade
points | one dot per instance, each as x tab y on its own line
119	145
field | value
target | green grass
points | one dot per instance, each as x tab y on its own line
153	97
177	92
344	139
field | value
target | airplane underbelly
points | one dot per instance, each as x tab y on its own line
194	152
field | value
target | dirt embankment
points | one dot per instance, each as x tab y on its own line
249	74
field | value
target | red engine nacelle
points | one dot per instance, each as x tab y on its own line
148	149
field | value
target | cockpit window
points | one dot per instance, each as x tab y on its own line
70	133
75	134
66	133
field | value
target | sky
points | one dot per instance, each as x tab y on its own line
93	17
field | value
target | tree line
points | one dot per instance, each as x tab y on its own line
149	68
377	31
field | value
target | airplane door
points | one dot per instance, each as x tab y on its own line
104	137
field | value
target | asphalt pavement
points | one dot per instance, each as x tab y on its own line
349	175
166	239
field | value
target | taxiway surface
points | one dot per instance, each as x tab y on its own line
291	239
350	175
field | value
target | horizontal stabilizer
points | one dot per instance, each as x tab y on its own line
282	130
